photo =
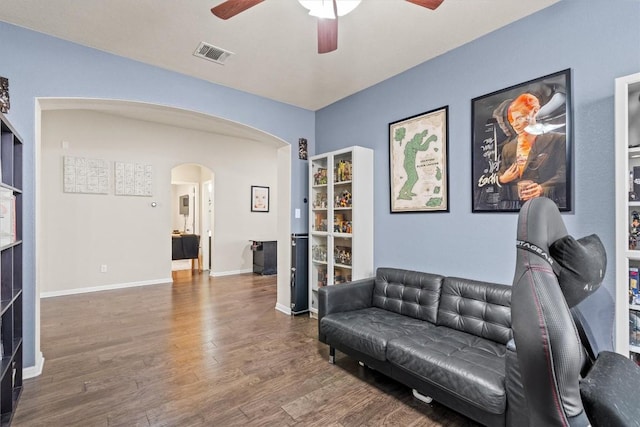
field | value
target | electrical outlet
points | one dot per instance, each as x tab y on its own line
103	268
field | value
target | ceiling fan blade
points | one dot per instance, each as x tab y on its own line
328	32
231	8
429	4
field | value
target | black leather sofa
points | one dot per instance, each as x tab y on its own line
444	337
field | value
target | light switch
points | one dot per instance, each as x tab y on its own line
297	213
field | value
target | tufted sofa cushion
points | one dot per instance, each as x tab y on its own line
410	293
478	308
467	366
370	329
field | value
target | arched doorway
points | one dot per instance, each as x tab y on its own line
93	278
192	212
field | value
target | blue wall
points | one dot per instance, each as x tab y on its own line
43	66
598	39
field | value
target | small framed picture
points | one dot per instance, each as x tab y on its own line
259	199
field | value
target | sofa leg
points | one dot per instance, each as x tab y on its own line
332	355
422	397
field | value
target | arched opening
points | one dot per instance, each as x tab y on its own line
98	245
192	214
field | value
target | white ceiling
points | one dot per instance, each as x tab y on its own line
274	42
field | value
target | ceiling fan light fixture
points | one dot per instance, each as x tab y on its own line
324	8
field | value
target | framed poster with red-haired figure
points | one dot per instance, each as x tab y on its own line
521	145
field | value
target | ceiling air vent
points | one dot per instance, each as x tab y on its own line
212	53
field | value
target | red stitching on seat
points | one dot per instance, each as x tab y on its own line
545	346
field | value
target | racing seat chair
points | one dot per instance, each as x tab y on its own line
563	386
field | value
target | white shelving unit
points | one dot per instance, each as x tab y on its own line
627	127
340	219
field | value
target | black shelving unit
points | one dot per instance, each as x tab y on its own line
10	270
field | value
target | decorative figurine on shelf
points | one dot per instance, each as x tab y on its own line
635	222
320	223
322	277
320	177
347	258
319	253
321	201
342	255
634	230
343	200
343	171
340	171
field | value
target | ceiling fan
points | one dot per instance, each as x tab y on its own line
326	11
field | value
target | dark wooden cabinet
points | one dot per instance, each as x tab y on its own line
265	257
10	270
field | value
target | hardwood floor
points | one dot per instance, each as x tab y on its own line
203	352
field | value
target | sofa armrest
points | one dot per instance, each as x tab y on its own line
346	297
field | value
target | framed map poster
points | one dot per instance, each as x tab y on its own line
418	157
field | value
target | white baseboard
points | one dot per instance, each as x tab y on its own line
283	308
104	288
229	273
34	371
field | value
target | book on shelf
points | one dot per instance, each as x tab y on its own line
7	217
635	189
634	230
634	285
634	328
